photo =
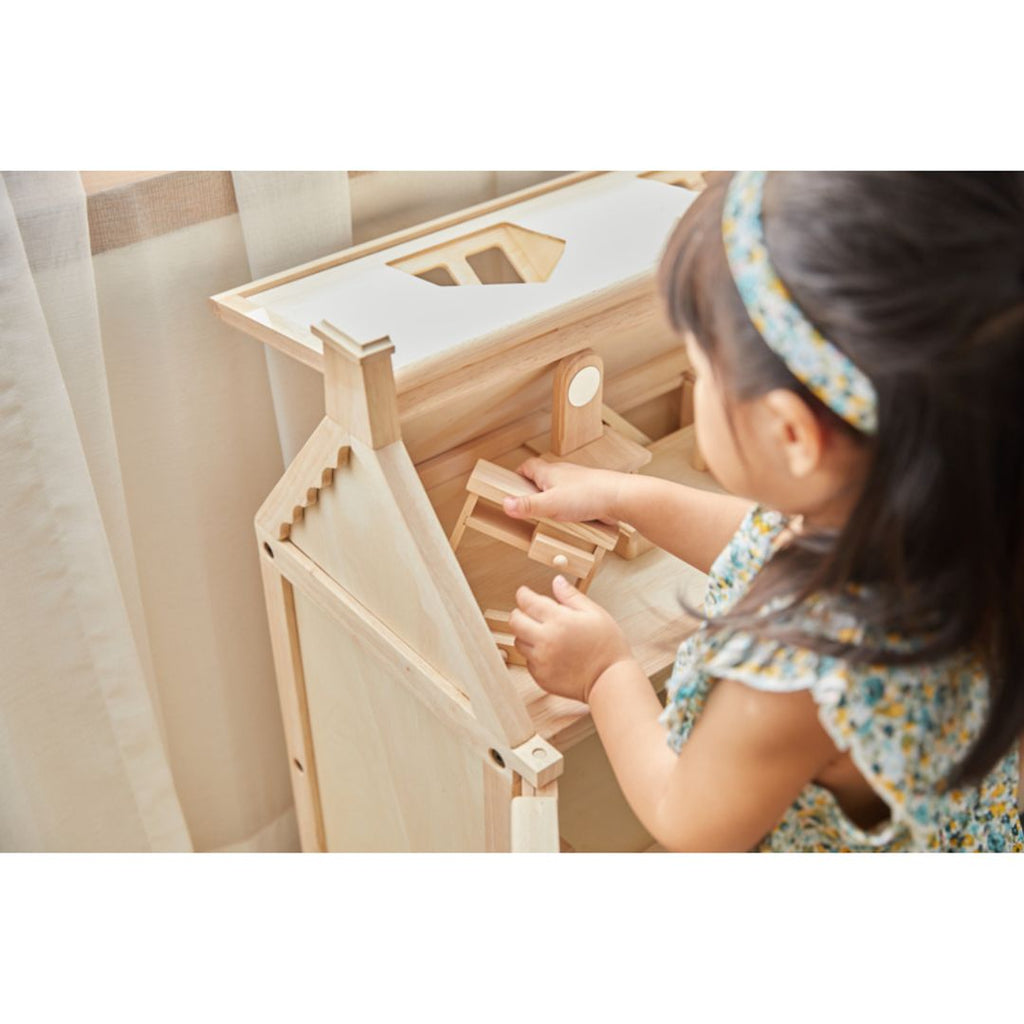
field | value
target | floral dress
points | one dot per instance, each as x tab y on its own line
904	726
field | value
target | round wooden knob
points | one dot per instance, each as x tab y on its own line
560	562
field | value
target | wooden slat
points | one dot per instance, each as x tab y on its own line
488	520
622	426
463	458
291	689
498	795
535	822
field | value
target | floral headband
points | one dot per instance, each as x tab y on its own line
815	362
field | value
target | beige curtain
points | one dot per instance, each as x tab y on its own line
138	436
83	765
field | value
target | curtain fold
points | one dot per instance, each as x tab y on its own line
199	452
82	762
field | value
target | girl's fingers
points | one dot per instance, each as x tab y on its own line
524	628
536	606
530	466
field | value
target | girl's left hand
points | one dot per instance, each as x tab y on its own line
568	642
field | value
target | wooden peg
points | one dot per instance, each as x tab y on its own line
460	524
359	386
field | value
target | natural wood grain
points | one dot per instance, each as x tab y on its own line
494	523
312	470
535	824
494	701
610	451
583	283
622	426
573	426
546	548
646	381
291	689
421	681
462	458
499	791
359	386
392	776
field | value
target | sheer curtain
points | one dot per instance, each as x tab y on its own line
138	709
83	761
138	436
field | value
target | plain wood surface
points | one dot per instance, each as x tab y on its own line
566	558
574	426
392	776
410	580
535	824
291	689
499	791
449	400
609	451
517	533
359	386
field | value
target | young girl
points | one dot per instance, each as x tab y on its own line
858	681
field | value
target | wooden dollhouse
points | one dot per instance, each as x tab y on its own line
450	353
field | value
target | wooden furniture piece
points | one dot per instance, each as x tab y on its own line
574	549
451	353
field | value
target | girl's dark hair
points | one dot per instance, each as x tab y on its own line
919	278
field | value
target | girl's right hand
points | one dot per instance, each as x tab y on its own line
570	493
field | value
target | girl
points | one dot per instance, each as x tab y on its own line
858	681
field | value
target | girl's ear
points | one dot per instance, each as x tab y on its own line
797	432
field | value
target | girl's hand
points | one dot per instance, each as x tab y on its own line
570	493
568	642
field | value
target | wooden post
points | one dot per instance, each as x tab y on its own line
577	403
291	689
359	386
